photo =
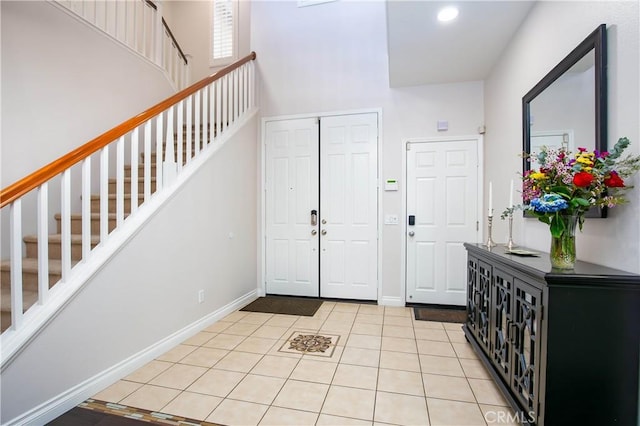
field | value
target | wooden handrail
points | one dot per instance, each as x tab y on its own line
175	42
164	23
37	178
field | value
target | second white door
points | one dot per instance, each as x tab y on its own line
332	172
442	209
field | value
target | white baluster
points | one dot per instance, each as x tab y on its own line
196	124
218	121
65	213
120	181
180	134
212	112
189	129
205	115
242	85
252	85
147	161
43	243
86	208
134	168
15	251
245	70
225	105
159	137
236	94
169	162
104	193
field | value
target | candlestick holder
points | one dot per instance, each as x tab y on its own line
510	244
490	243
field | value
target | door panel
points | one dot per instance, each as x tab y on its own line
349	206
291	194
442	194
331	169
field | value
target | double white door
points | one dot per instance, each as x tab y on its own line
321	207
442	208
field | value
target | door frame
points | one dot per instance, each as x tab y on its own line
403	254
262	239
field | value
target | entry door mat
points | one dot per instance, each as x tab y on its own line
284	305
455	315
93	412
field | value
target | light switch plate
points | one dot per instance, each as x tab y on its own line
391	219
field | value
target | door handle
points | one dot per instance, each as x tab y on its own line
411	233
314	218
323	232
314	232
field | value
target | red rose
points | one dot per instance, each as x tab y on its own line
614	181
582	179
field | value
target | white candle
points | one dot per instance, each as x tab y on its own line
511	195
490	199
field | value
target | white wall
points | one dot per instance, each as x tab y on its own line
185	247
190	22
64	84
549	33
333	57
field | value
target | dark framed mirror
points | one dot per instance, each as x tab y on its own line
568	107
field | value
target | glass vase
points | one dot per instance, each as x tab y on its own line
563	248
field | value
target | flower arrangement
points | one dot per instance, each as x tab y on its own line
567	184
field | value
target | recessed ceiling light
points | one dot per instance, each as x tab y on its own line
448	14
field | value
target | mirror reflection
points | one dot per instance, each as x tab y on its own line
568	107
563	114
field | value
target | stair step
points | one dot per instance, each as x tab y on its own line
95	202
76	223
29	298
55	245
175	157
127	185
127	170
30	273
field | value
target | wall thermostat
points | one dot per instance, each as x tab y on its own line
391	185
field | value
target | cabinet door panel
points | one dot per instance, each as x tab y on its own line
472	290
501	318
527	302
483	301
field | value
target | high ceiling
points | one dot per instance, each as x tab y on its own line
423	50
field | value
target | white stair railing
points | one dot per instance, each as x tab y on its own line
139	25
157	138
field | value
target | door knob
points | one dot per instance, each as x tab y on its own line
314	232
411	233
324	221
323	232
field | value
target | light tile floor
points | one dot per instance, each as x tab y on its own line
385	368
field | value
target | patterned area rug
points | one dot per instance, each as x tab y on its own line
441	315
284	305
93	412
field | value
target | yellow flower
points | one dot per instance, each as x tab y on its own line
537	175
584	160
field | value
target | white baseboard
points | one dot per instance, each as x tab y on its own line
65	401
391	301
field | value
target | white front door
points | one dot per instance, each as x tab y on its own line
330	170
442	204
292	194
349	206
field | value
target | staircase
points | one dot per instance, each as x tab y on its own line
30	261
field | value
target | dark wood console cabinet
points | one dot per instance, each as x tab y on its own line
563	346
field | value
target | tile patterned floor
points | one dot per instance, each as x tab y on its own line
382	367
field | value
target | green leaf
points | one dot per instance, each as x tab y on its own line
582	201
557	226
561	190
542	217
